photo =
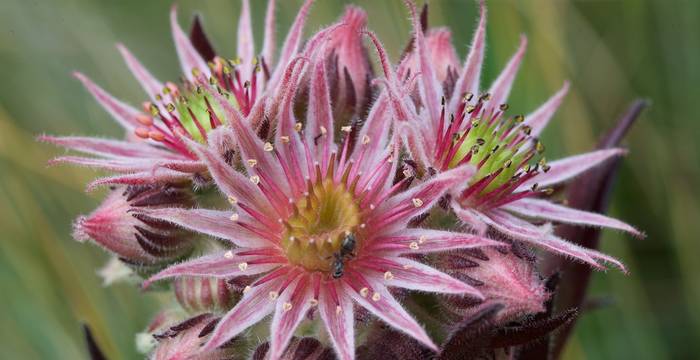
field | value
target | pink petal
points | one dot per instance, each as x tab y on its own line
570	167
421	198
286	319
246	43
338	319
501	87
188	55
222	264
431	91
270	37
119	165
413	275
211	222
391	312
255	305
231	182
543	238
427	241
471	72
539	119
320	113
149	83
124	114
141	178
292	42
543	209
109	148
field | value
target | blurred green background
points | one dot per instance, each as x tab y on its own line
612	51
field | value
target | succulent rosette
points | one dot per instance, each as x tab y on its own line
318	221
297	204
452	123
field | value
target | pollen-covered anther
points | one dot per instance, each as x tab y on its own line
298	126
243	266
376	296
268	147
417	202
234	217
365	140
413	245
364	292
287	306
422	239
255	179
273	295
252	162
232	200
388	276
228	254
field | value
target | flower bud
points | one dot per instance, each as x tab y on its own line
203	294
134	238
185	339
507	278
348	66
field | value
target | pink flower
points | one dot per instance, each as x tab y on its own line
155	150
452	125
318	222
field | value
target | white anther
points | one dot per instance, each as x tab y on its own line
413	245
234	217
255	179
376	296
267	147
252	162
242	266
287	306
364	292
273	295
417	202
388	276
228	254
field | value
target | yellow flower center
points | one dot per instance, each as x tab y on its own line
320	223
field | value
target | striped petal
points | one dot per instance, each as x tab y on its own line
292	306
336	312
501	86
471	72
539	119
570	167
383	305
188	55
255	305
124	114
223	264
150	84
543	209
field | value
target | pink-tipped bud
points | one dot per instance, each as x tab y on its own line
203	294
134	238
443	56
507	278
348	66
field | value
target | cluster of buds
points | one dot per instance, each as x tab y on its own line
345	195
